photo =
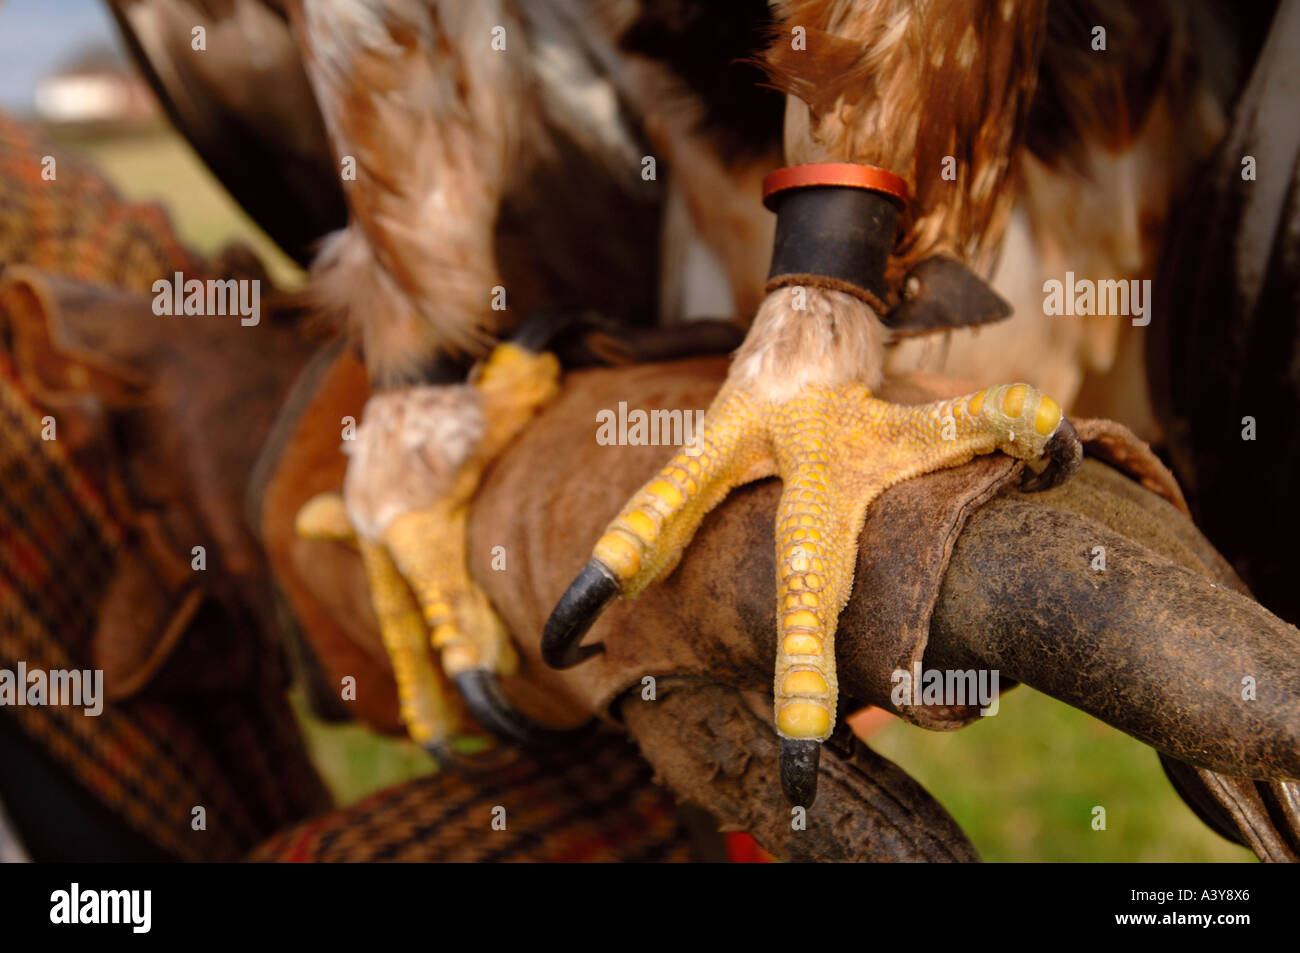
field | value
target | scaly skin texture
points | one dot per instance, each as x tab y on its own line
426	705
415	553
836	449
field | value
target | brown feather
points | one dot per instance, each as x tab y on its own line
435	121
902	84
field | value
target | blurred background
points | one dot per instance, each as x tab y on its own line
1023	784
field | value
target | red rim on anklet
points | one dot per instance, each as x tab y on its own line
851	175
836	225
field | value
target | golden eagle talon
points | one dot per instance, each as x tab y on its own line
799	760
481	691
593	589
1064	455
473	764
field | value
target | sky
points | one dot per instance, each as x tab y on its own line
37	36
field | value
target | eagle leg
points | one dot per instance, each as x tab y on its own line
412	535
835	448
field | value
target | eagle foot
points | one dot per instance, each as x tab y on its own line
835	449
405	506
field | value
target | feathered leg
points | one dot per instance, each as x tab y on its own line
426	103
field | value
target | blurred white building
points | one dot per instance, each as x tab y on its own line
96	87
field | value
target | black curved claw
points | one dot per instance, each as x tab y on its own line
574	614
488	704
483	762
1064	454
799	760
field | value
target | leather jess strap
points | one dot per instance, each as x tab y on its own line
836	224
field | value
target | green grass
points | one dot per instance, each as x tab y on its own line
1022	784
158	165
355	761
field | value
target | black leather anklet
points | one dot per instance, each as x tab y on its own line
836	224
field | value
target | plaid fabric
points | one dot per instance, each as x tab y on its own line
151	761
593	803
75	224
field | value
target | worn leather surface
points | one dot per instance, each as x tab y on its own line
1159	644
956	568
322	583
1156	648
941	294
714	746
714	617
